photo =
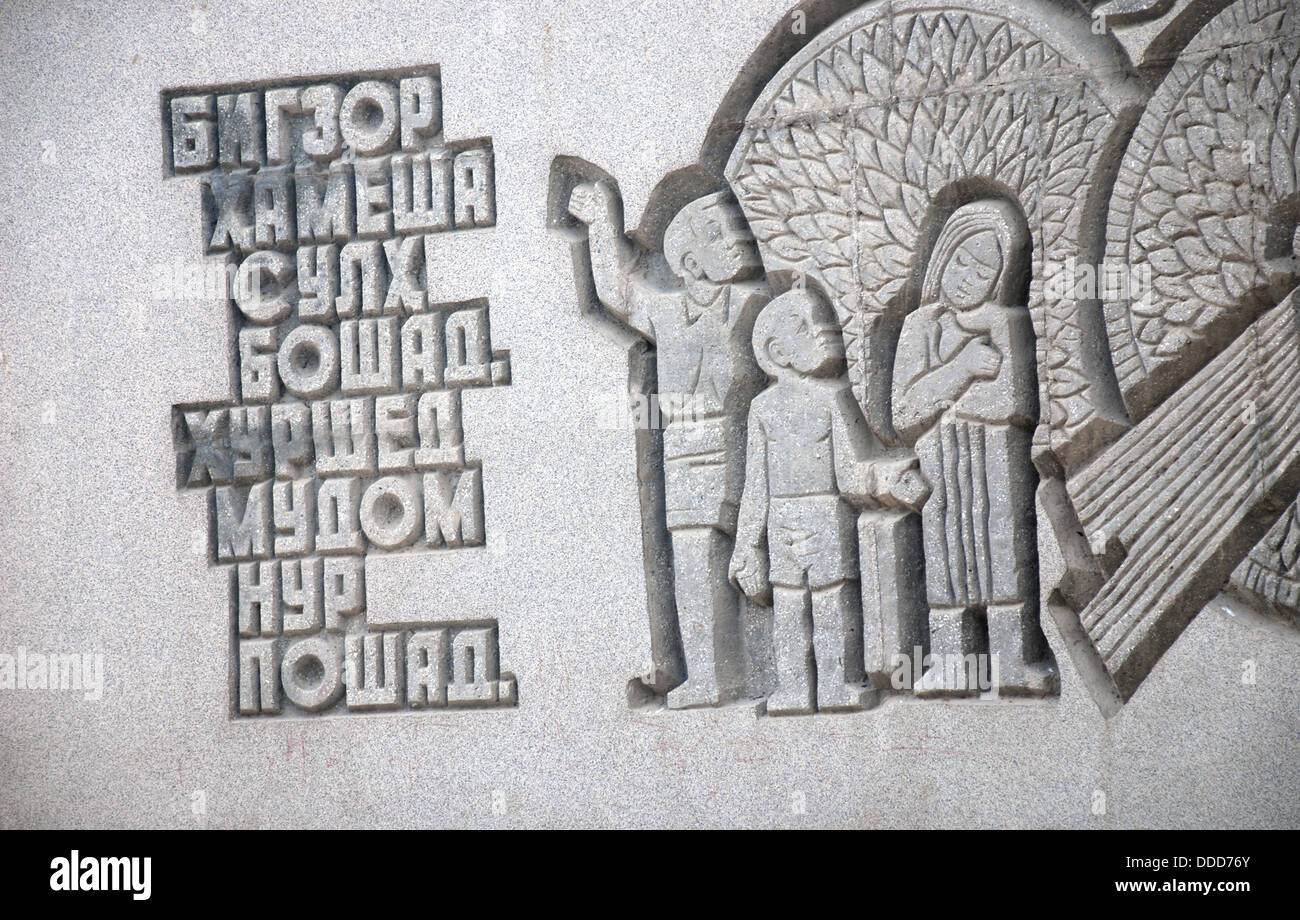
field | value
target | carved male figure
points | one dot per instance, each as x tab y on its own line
812	462
965	394
701	328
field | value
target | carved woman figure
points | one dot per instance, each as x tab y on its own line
965	396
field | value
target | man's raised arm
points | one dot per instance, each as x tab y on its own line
615	261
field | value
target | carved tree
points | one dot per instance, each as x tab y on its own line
859	144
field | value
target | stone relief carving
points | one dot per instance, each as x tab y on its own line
1272	570
345	437
811	464
1025	309
1206	198
701	328
1202	200
965	399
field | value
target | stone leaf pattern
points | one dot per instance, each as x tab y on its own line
1272	570
1213	155
838	184
1195	202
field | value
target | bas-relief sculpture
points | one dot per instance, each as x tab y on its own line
905	231
965	398
811	465
701	329
905	417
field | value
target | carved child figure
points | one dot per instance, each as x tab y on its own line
965	393
701	329
812	462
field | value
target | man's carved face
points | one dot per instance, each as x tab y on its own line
971	273
715	242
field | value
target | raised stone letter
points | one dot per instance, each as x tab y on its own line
291	439
300	591
369	352
369	118
312	672
193	133
323	140
250	444
326	212
374	670
345	591
344	435
390	512
205	441
427	667
258	590
420	110
243	522
308	361
259	672
240	129
453	515
294	514
338	506
475	678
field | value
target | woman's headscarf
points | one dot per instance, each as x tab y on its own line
988	215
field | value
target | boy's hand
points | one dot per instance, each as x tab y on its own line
912	490
901	483
748	572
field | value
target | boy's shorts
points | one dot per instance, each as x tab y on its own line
811	540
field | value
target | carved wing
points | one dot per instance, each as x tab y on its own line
1206	202
1203	198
